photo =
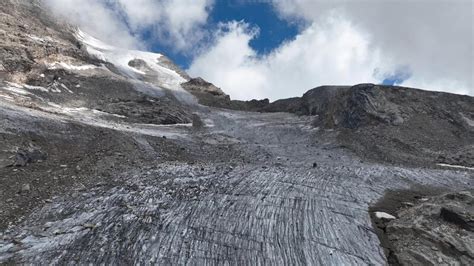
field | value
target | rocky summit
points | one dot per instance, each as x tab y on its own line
114	156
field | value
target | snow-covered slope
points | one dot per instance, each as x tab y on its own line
147	64
56	73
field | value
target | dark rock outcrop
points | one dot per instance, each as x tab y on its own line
210	95
29	155
368	104
429	229
206	92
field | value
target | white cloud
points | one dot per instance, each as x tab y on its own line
177	23
96	18
231	63
330	52
430	43
434	38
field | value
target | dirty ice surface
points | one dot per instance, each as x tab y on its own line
275	208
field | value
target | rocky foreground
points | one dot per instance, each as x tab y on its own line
431	226
118	157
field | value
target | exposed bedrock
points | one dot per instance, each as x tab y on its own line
430	227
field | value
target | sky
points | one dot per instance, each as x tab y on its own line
281	48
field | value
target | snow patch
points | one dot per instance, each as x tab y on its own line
74	110
165	78
470	122
63	65
9	98
105	113
96	118
39	88
455	166
20	88
41	40
384	215
66	88
36	38
16	89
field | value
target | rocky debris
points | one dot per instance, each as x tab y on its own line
464	156
456	213
138	64
29	155
197	122
146	110
430	230
25	188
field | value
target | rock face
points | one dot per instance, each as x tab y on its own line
206	92
368	104
402	125
210	95
54	67
107	157
432	230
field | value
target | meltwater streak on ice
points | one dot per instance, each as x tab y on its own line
120	58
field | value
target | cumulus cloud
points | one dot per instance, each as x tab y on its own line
333	51
425	44
95	18
178	23
175	23
231	63
434	38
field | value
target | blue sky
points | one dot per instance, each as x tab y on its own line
273	30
